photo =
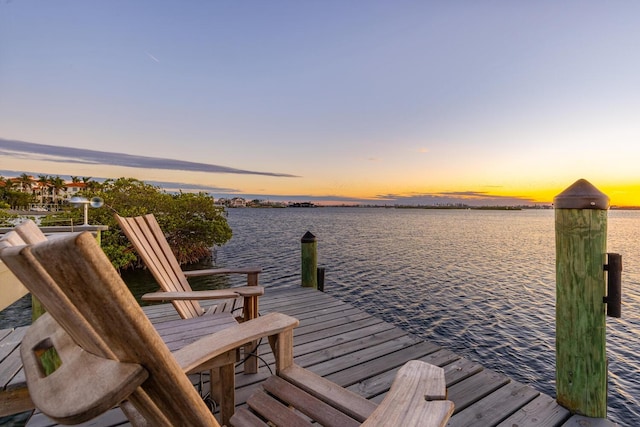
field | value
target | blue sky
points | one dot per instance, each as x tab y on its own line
486	102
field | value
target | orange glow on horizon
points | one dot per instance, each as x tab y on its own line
355	188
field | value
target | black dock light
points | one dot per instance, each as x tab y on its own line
613	267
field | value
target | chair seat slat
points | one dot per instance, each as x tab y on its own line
275	411
311	406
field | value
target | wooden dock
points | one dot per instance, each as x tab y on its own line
362	353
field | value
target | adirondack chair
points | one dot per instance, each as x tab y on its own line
150	243
176	334
111	352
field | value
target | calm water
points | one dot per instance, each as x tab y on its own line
480	283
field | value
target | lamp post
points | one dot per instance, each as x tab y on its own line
95	202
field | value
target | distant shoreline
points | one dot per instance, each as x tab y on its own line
465	207
483	208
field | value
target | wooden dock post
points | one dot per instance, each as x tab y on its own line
581	361
320	276
309	260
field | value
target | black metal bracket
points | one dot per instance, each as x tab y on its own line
613	267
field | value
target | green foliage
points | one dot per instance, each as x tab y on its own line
191	222
15	199
6	217
68	216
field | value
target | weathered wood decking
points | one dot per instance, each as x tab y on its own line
13	393
362	353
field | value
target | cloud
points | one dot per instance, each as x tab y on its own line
470	198
152	57
192	188
51	153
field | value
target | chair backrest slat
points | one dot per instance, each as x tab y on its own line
157	235
30	232
150	252
74	273
150	243
11	239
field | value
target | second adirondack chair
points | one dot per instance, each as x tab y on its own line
150	243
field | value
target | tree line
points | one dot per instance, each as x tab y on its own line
25	190
192	223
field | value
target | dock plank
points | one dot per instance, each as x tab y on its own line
582	421
363	353
378	365
14	396
460	370
4	333
381	383
541	411
495	407
9	367
475	387
327	358
10	342
347	335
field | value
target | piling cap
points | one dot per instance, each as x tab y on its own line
581	195
308	238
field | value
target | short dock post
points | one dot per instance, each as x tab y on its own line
581	361
321	278
309	261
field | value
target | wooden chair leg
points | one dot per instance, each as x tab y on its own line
228	393
251	312
215	387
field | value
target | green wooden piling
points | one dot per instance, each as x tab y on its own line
309	246
37	309
581	363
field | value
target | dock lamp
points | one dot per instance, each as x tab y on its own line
95	202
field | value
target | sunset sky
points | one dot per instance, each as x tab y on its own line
410	102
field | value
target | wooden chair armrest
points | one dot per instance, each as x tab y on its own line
244	291
249	291
346	401
84	385
214	271
200	352
417	397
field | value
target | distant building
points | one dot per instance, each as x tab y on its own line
301	205
46	191
72	189
238	202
